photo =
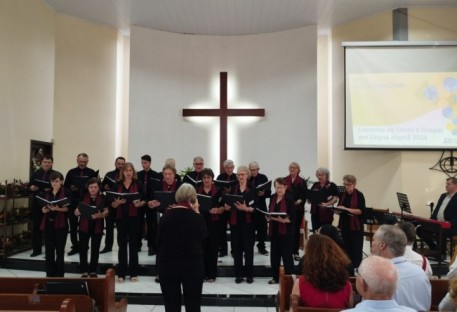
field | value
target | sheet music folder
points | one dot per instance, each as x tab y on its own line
130	197
273	214
314	196
205	202
60	202
87	210
165	198
42	184
264	186
231	199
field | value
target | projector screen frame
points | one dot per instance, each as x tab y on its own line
399	44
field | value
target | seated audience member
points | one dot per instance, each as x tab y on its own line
332	232
413	287
410	254
452	270
376	282
449	302
325	279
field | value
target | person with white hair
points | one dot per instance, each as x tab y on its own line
326	195
414	289
180	258
227	175
376	282
260	222
297	188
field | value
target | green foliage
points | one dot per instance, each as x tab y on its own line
185	171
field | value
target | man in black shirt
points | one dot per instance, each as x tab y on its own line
39	184
228	175
75	181
108	183
260	222
198	164
148	178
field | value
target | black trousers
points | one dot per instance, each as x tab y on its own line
37	234
316	223
281	248
110	220
210	249
223	239
299	214
127	239
74	223
191	291
141	221
243	239
353	241
152	217
261	226
54	245
95	240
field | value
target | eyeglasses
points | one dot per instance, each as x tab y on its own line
198	164
357	273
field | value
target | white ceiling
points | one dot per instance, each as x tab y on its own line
230	17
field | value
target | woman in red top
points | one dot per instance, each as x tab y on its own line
325	280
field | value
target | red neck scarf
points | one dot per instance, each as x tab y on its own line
60	217
354	222
84	222
168	188
212	193
132	210
234	211
298	181
282	227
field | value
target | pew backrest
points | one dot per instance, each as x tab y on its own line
102	290
31	302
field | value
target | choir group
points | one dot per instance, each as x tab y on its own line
140	206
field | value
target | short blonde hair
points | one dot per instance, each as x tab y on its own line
245	169
324	171
295	164
186	193
350	178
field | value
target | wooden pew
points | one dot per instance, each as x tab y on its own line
102	290
24	302
440	288
286	283
285	300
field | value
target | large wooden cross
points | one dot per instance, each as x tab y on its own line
222	112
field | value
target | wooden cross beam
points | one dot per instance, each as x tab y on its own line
223	112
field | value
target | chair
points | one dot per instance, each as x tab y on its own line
432	232
286	283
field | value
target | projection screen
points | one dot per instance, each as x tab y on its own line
401	95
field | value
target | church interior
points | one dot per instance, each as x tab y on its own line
121	78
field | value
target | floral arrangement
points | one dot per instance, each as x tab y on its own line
15	188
